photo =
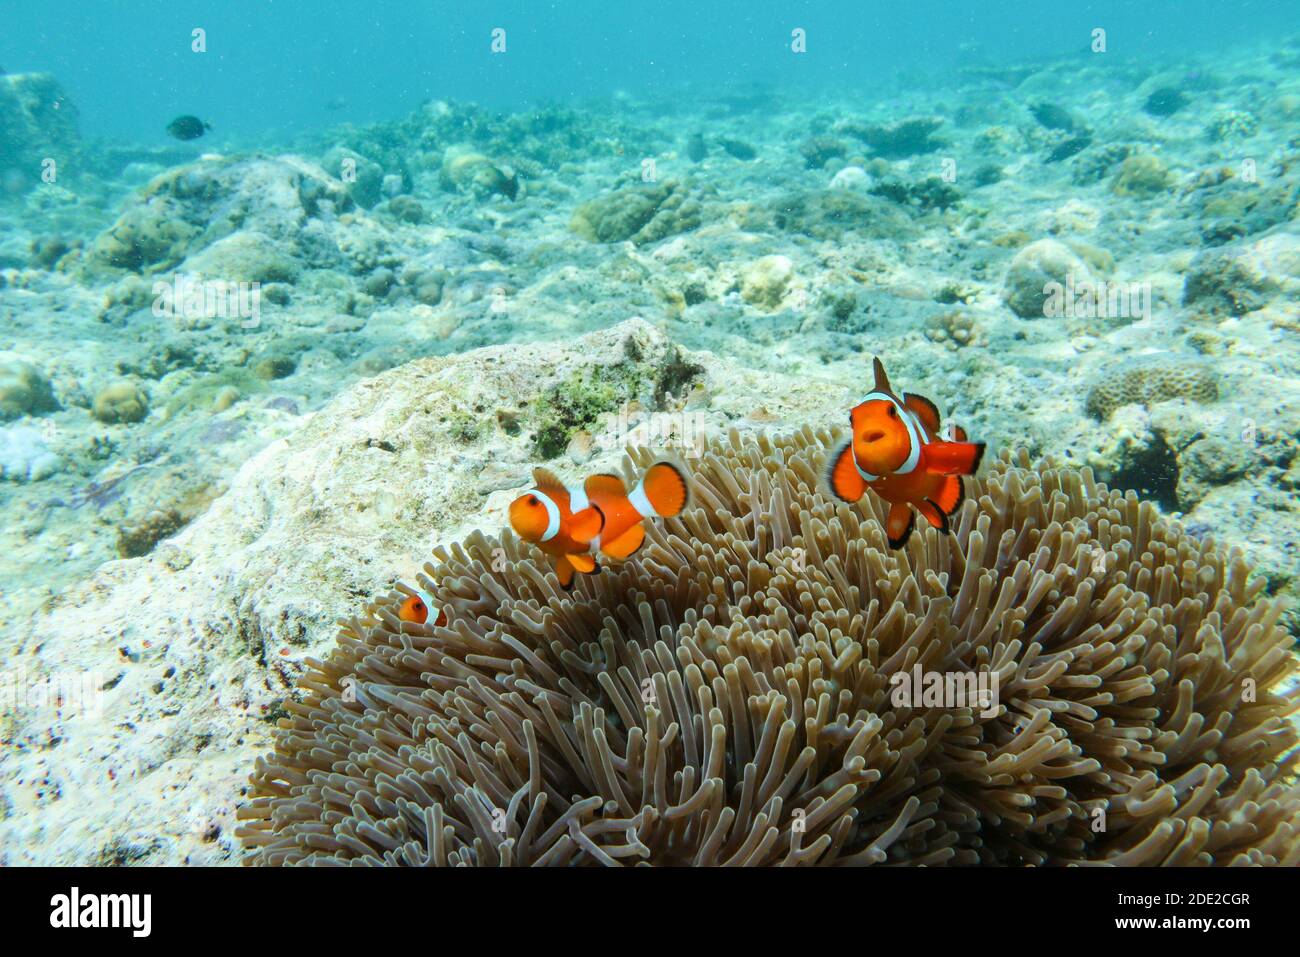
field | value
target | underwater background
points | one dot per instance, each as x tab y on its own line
248	251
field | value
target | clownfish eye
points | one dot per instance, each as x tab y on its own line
893	413
532	500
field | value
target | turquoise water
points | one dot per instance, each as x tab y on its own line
274	66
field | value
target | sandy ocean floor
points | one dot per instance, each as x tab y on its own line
191	499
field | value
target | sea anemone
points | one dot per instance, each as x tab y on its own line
725	696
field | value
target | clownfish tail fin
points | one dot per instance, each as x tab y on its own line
662	491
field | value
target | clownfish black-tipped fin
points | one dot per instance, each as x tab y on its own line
627	544
665	487
582	562
950	495
841	477
934	515
925	410
899	524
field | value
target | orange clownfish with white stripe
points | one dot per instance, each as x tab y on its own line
413	609
898	452
573	524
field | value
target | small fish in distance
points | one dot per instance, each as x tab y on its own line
188	127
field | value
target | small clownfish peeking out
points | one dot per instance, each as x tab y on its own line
898	452
574	524
414	609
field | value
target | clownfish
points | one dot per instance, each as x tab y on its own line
573	524
897	451
414	609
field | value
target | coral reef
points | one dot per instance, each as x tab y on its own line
139	538
1241	277
24	389
908	137
956	328
24	456
659	715
121	401
1036	265
817	151
185	210
361	176
1141	175
766	281
1232	125
643	214
1150	381
830	214
467	170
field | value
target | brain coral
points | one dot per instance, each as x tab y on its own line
643	214
724	696
1150	383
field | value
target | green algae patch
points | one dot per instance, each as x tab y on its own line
464	428
578	402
